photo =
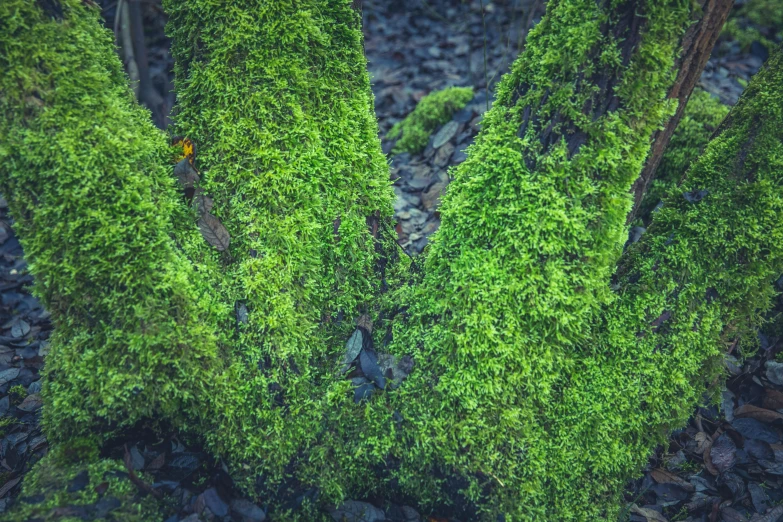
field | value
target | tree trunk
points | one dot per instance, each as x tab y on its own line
697	47
536	390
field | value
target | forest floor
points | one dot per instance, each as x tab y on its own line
725	465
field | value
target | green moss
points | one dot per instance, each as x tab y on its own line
5	424
89	183
17	394
701	118
756	21
49	491
277	97
433	110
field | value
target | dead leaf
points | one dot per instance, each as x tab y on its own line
650	514
157	462
214	231
352	348
365	322
8	485
203	204
771	516
186	174
723	453
187	145
31	403
661	476
760	414
703	440
773	399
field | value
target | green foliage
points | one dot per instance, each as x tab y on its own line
17	394
48	491
433	110
702	116
517	277
756	21
89	182
537	390
277	97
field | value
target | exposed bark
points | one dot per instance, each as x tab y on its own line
146	92
697	46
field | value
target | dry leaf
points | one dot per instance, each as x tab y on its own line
365	322
186	174
31	403
214	231
760	414
703	440
773	399
650	514
661	476
203	204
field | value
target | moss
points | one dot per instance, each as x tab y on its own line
17	394
537	391
513	402
702	116
756	21
433	110
5	424
55	489
89	183
277	98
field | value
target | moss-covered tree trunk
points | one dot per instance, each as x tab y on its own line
537	389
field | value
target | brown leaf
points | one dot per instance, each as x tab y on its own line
157	462
128	460
773	399
702	440
650	514
760	414
772	516
8	485
31	403
723	453
186	174
365	322
661	476
203	204
101	488
214	231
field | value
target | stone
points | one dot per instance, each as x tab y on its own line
430	198
443	155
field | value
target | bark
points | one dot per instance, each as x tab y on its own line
697	46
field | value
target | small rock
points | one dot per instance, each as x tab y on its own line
212	501
106	505
247	510
355	511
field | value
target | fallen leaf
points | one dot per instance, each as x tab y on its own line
661	476
352	348
368	360
772	516
186	174
214	231
31	403
355	511
773	399
157	462
760	414
187	145
20	328
650	514
203	204
8	485
723	453
365	322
